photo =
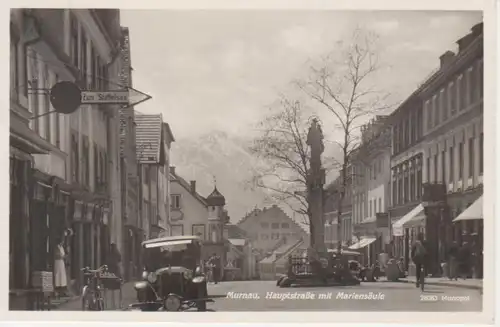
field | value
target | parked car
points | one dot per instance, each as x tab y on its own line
173	277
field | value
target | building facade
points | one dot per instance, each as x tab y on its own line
152	156
132	229
70	169
331	205
437	161
270	227
371	189
453	141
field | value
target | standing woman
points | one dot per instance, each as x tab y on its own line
60	277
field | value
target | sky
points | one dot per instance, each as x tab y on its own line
220	69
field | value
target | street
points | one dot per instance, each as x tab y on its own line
385	296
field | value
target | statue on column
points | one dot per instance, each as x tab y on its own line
315	182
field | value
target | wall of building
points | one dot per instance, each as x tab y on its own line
267	226
191	213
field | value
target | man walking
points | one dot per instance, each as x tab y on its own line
216	264
419	257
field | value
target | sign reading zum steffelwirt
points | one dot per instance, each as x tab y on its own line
108	97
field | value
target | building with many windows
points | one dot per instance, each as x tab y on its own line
439	158
453	139
330	213
371	188
73	160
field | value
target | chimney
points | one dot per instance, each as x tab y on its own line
464	42
172	170
193	186
477	29
446	58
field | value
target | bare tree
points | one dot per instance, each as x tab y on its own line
281	146
345	86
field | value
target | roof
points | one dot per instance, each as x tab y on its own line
282	251
169	132
172	239
257	212
148	137
182	182
234	231
216	198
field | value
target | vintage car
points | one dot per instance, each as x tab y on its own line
329	268
173	278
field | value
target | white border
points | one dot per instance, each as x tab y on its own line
289	317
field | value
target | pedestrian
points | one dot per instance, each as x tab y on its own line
114	260
453	261
419	257
215	261
465	257
60	277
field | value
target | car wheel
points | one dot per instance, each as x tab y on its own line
278	282
202	293
285	282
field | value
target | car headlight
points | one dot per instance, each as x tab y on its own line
198	271
172	303
188	274
152	277
145	275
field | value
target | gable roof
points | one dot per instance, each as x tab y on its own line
148	137
182	182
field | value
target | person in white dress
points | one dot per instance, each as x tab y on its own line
60	279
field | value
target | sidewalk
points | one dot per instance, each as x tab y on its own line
476	284
75	304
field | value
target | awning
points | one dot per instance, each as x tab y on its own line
398	226
363	243
474	211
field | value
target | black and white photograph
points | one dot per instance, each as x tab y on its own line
248	160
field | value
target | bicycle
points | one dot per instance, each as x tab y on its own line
422	278
92	298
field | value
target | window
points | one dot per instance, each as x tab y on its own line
394	191
14	58
374	206
443	166
83	58
444	104
436	101
370	209
471	157
74	41
264	236
428	110
463	93
400	187
97	169
419	178
436	163
93	66
470	86
275	236
285	225
406	184
380	209
175	201
407	133
275	225
395	140
452	165
75	162
412	183
428	164
460	161
46	105
481	154
264	225
453	98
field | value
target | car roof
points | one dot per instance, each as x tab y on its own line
172	239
